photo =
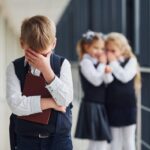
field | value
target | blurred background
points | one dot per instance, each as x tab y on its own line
73	17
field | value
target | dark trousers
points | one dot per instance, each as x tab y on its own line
12	134
56	142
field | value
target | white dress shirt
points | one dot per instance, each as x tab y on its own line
95	76
127	73
61	90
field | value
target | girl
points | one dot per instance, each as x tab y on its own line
92	120
121	97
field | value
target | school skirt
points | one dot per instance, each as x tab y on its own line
92	122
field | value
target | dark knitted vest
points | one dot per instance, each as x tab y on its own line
92	93
121	102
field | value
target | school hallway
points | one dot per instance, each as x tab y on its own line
77	143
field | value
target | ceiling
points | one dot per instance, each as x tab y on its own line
18	10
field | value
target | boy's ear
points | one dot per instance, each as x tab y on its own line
54	43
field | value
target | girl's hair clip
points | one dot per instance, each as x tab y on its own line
88	36
102	35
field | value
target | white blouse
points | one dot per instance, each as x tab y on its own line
95	76
127	73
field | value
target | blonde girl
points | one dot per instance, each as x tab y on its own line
121	92
92	119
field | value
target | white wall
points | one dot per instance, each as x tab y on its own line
9	49
20	9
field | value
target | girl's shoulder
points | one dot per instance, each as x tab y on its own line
87	59
85	62
132	60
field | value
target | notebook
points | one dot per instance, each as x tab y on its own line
35	85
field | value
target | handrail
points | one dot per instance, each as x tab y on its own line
145	69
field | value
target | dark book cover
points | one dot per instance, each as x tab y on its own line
35	85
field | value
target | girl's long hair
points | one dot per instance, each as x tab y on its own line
121	41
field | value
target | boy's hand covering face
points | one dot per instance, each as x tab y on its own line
38	60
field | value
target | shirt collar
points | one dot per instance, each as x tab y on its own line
25	62
87	56
34	71
121	59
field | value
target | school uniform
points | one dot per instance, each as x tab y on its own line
29	135
121	103
92	121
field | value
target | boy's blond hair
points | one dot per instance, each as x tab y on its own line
38	32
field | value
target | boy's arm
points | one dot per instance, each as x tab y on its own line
22	105
50	103
62	88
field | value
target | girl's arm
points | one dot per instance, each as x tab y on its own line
108	77
92	74
124	74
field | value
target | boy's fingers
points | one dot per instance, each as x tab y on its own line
61	108
30	59
31	56
31	62
48	55
32	52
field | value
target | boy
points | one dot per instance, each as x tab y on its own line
38	39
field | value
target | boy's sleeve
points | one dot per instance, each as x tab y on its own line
62	88
20	105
